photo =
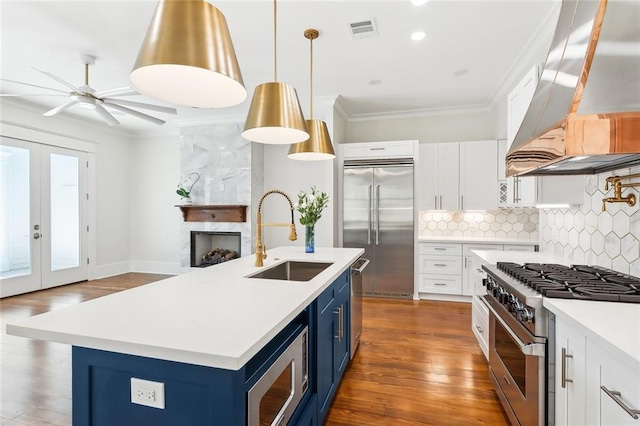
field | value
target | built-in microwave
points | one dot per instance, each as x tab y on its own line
275	396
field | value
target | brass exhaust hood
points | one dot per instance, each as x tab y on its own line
585	114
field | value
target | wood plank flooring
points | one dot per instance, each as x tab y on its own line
418	364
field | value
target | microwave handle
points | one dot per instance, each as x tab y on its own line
531	348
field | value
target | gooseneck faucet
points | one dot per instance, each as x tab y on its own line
261	250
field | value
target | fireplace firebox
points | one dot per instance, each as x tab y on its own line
211	248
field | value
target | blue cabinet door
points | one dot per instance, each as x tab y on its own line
310	415
343	305
326	362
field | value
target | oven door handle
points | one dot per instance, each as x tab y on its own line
531	348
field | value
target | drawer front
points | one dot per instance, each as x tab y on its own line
480	324
444	249
518	247
441	265
466	248
443	284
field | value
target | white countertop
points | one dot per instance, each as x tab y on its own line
491	257
610	323
477	240
214	317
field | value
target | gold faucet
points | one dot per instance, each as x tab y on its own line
261	249
616	182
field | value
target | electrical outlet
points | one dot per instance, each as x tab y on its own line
145	392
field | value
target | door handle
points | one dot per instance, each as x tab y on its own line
37	235
441	203
370	214
377	214
615	395
564	368
435	202
338	312
462	202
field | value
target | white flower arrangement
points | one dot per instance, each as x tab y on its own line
310	205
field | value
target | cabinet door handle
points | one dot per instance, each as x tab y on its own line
441	203
339	327
615	395
462	202
440	284
440	248
480	330
465	263
564	368
442	265
435	202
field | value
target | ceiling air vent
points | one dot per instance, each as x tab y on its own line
363	29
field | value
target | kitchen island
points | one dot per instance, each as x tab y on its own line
209	322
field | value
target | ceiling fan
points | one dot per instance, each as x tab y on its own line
85	96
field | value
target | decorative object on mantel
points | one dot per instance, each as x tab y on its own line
318	147
214	213
182	190
310	206
187	57
275	115
616	182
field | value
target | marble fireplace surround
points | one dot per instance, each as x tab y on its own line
230	168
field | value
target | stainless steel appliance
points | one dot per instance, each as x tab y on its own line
378	216
275	396
357	269
521	344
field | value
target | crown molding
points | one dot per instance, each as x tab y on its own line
419	113
341	108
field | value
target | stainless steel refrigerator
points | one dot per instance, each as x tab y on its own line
378	215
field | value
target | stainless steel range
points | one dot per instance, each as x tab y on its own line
520	349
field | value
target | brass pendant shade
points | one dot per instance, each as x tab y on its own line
317	147
275	115
187	57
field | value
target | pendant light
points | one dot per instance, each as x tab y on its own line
187	57
318	146
275	115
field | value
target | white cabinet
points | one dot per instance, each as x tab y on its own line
458	176
393	149
438	176
593	385
520	191
478	184
570	370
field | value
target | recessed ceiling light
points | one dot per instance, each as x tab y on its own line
375	82
418	2
460	72
418	35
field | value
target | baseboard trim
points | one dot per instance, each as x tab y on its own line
111	269
167	268
445	297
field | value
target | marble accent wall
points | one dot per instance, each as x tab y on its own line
224	160
503	223
587	235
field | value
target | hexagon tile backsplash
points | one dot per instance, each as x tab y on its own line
504	223
587	235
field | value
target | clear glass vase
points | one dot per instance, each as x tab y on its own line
309	238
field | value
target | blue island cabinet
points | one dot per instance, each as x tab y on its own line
333	319
200	395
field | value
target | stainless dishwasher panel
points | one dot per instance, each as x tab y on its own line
356	302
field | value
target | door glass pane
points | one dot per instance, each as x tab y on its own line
65	212
15	235
277	396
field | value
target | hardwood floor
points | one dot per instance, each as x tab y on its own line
418	364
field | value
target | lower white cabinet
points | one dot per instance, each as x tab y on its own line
593	385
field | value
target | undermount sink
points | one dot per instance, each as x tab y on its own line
292	271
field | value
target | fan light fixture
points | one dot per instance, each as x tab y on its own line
275	115
187	57
318	146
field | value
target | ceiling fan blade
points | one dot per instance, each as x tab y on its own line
58	79
33	94
34	85
59	109
167	110
110	119
135	113
122	91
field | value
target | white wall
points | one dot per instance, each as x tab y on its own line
155	230
113	180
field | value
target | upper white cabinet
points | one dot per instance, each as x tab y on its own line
478	184
458	176
439	176
366	150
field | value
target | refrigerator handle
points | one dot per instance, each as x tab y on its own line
377	214
370	213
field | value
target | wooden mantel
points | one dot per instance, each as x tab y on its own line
213	213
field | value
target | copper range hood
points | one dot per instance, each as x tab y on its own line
585	114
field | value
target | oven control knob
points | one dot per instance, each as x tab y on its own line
525	315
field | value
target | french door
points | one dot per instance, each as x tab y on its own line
43	213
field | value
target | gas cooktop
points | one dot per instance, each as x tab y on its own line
575	281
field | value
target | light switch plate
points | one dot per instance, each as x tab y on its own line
145	392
